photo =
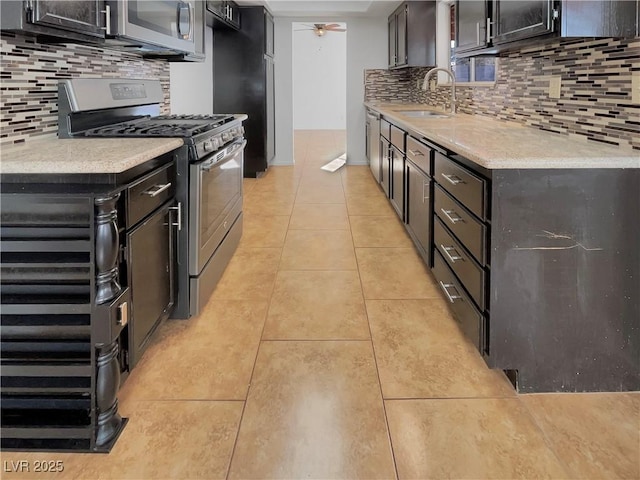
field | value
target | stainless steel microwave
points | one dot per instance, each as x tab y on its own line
152	25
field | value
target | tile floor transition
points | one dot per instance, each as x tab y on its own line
327	352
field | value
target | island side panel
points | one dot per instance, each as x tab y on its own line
565	278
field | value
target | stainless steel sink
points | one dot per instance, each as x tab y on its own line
422	113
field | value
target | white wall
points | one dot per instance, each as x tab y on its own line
192	83
366	48
319	79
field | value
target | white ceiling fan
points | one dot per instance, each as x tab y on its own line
320	29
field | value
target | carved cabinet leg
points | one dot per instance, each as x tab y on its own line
108	420
107	383
107	244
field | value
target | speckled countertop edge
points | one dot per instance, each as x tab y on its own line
499	145
83	155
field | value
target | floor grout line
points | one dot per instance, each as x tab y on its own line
375	362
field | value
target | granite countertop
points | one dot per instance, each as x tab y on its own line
83	155
500	145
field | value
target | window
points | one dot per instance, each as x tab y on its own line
472	69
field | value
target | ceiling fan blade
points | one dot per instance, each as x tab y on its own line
336	30
331	26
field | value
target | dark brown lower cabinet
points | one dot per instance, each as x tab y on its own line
86	276
151	277
385	168
418	214
397	181
541	267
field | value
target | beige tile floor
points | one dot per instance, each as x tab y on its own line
327	352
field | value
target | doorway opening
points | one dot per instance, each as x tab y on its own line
319	91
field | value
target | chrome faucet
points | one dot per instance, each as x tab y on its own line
425	84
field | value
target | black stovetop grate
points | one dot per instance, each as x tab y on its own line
162	126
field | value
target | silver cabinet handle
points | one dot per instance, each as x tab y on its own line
107	19
178	208
449	214
455	257
156	190
424	185
488	32
454	180
416	153
445	287
477	33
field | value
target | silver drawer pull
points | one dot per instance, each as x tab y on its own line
452	179
449	214
416	153
455	257
156	190
445	287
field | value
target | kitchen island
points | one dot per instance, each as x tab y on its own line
83	221
532	237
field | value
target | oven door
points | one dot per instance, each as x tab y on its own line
166	24
215	201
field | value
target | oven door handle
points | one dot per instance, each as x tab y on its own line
232	151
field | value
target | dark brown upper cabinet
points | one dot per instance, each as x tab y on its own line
472	19
223	14
514	21
68	20
412	35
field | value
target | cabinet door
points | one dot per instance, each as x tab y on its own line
385	158
77	16
233	14
401	36
271	110
471	25
226	13
151	263
392	41
515	20
268	34
419	213
397	181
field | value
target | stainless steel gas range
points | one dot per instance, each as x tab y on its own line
209	170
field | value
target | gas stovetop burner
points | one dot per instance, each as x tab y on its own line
163	126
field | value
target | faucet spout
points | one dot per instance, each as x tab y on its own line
427	77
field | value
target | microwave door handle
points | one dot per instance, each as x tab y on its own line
185	20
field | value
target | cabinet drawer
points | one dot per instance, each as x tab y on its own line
385	129
469	318
468	230
419	154
468	189
464	266
397	138
148	193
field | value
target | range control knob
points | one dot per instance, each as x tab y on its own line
215	142
241	130
226	136
208	146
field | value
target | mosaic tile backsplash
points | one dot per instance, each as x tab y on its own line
29	75
595	102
